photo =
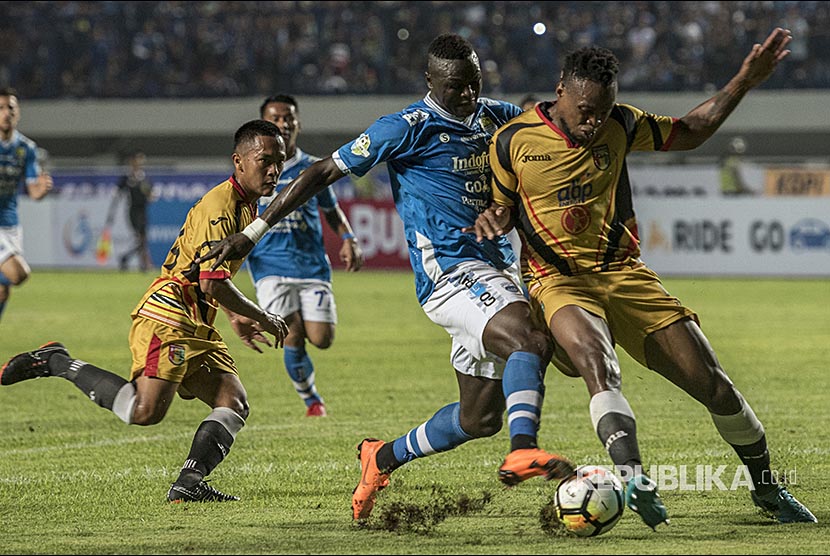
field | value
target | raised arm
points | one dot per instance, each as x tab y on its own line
702	121
314	179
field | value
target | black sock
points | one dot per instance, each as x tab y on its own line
385	459
211	444
99	385
756	458
618	433
522	442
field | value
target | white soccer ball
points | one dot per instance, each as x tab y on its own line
590	502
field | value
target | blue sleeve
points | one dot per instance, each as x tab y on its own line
386	139
32	165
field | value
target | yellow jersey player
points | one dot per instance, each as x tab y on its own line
174	343
559	176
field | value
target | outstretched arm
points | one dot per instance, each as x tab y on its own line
702	122
314	179
236	304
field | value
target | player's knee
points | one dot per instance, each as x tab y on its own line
486	425
241	407
322	342
145	415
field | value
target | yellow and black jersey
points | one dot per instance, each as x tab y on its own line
174	298
573	203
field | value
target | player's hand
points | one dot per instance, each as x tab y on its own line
45	183
494	221
233	247
351	255
276	325
249	331
762	60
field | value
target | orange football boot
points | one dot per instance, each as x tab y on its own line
371	479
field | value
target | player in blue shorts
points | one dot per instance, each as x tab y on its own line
289	266
438	161
18	165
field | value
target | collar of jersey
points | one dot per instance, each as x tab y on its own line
15	135
468	121
294	160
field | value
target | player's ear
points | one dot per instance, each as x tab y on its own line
237	162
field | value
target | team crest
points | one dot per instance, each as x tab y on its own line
602	157
175	354
576	219
360	147
487	124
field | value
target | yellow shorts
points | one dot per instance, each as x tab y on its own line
632	301
172	354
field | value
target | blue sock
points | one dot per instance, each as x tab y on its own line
441	433
301	371
524	391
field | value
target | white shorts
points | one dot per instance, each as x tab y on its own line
11	242
464	301
284	296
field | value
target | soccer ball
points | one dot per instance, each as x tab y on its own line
590	502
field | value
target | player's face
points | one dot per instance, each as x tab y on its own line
455	84
583	107
285	117
9	114
259	164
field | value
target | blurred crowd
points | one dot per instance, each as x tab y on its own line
122	49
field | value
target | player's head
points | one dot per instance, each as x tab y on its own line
586	92
283	111
258	158
9	112
453	74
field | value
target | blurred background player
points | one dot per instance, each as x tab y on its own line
175	346
528	101
18	165
137	189
437	156
574	209
290	268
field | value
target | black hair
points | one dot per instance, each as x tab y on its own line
593	63
8	92
253	129
450	46
287	99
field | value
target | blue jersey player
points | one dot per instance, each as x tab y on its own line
18	167
289	266
436	151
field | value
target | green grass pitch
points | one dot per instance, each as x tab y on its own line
75	480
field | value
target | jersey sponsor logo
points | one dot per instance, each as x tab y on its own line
536	158
413	118
576	219
444	137
175	354
218	220
360	146
602	157
477	162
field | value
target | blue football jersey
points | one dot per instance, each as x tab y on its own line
18	160
294	247
439	168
